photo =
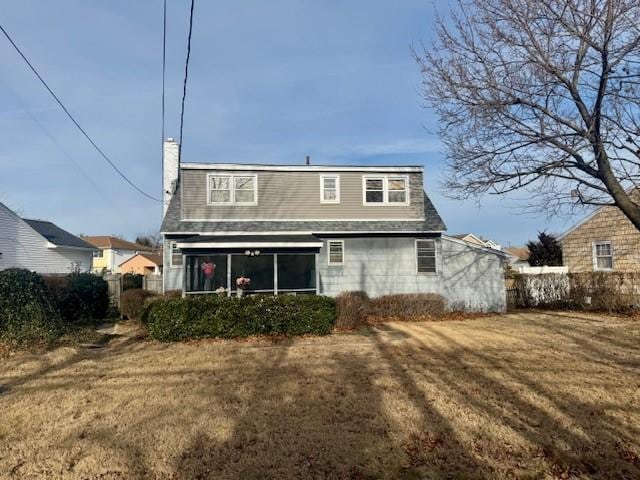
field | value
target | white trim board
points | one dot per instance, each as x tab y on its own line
254	220
500	253
249	245
299	168
306	232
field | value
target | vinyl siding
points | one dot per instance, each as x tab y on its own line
296	195
23	247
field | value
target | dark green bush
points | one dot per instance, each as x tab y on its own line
222	317
27	311
134	301
80	297
352	310
131	281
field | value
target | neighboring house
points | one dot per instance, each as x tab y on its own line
112	251
606	240
305	229
143	264
40	246
517	256
476	240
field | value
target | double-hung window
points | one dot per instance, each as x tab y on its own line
335	252
386	190
329	189
233	189
602	256
176	255
426	256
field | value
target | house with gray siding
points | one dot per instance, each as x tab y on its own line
40	246
316	229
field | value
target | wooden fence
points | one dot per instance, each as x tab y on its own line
153	283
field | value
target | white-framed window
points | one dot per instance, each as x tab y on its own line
426	256
98	253
329	189
602	256
176	255
385	190
335	252
226	189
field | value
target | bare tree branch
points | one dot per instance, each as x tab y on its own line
540	95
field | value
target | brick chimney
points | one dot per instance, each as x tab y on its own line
171	151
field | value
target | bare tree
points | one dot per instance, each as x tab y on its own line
152	239
541	95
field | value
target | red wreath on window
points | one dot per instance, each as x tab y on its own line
209	269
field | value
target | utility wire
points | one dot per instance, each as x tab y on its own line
98	149
164	67
186	75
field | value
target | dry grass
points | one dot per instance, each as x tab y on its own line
539	395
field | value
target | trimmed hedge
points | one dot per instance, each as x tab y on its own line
80	297
223	317
28	312
408	306
134	302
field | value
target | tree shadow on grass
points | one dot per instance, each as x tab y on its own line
548	429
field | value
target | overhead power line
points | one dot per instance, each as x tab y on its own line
164	69
98	149
186	73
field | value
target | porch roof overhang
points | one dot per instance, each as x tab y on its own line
249	241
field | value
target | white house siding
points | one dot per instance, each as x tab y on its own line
23	247
469	278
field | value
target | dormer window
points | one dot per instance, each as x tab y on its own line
329	189
386	190
233	189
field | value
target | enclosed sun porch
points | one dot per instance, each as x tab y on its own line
265	264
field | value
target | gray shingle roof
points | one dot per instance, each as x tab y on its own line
171	223
56	235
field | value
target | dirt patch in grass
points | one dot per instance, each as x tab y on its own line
540	395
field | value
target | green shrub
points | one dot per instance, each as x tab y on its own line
173	294
80	297
352	309
27	312
131	281
223	317
134	301
408	306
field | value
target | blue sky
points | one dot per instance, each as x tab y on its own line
270	82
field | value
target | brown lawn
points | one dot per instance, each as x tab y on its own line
526	395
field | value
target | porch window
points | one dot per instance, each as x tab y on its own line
176	255
426	256
329	189
296	273
602	256
259	269
206	273
335	250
